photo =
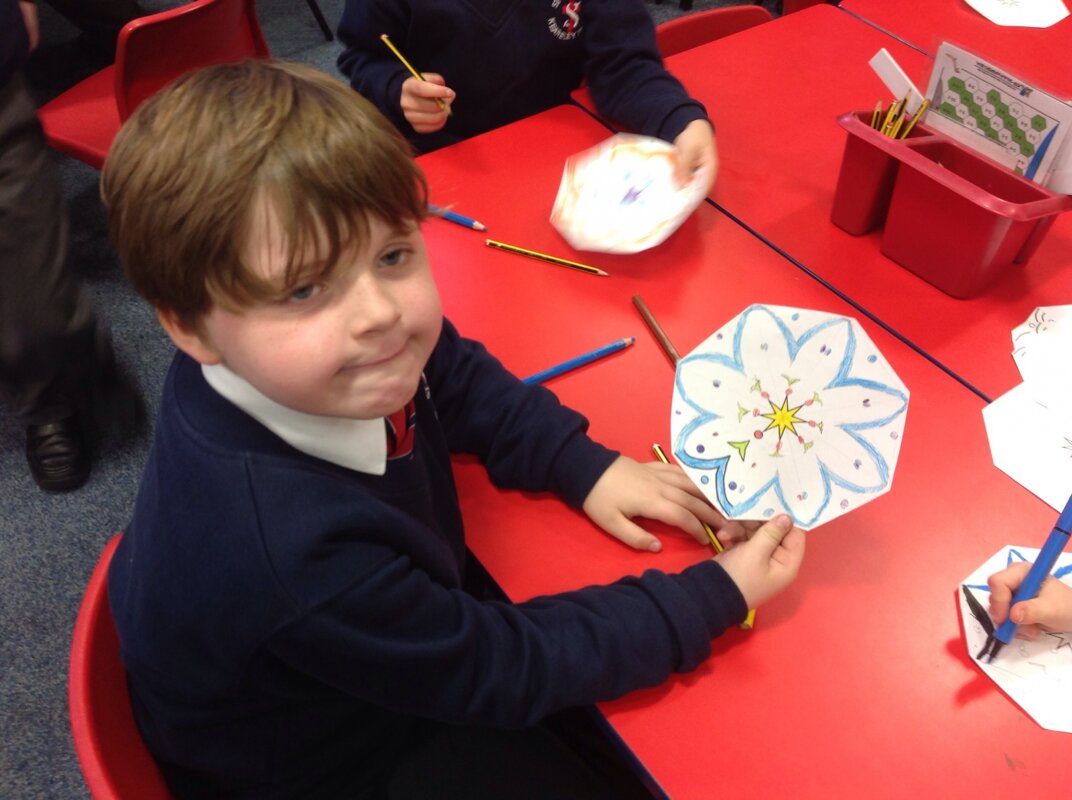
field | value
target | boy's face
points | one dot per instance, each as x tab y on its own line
350	345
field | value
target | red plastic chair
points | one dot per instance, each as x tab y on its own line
691	30
114	759
151	52
789	6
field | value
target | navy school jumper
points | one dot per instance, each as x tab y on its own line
287	623
509	59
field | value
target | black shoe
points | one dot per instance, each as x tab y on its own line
57	455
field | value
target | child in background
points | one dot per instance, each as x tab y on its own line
493	63
1051	610
291	592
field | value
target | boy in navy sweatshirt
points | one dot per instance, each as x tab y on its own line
290	594
490	63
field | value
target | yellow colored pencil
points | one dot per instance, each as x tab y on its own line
562	262
915	117
894	125
888	120
876	115
891	116
387	41
715	543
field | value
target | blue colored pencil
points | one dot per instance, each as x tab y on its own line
460	219
581	360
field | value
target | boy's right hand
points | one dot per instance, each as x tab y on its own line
426	104
767	562
1050	610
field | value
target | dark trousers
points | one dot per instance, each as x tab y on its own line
51	346
100	19
566	757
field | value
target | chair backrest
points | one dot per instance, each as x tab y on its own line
690	30
156	49
114	759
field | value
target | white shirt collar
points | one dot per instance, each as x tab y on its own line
357	444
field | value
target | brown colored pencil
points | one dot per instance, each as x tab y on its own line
657	330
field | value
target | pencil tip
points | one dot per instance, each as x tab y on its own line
480	226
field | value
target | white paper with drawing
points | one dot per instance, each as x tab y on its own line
1029	428
1037	674
1042	350
787	409
620	196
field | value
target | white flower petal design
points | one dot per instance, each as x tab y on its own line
788	409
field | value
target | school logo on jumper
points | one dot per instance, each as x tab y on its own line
566	23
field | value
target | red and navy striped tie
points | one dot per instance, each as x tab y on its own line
400	426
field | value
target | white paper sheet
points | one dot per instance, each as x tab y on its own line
787	409
1042	350
1021	13
1037	675
1030	426
620	196
1032	444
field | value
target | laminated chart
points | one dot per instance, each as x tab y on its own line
997	114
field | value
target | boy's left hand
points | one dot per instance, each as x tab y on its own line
656	491
696	150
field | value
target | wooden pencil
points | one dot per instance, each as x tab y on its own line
562	262
398	54
657	330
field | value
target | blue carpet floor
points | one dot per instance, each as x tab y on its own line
49	543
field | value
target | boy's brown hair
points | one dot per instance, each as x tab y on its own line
187	169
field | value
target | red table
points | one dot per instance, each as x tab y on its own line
775	92
855	682
1042	55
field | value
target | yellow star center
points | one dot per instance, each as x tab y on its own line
783	417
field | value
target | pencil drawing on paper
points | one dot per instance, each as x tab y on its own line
1039	322
785	409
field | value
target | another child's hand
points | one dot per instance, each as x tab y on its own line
767	562
695	151
1050	610
656	491
421	102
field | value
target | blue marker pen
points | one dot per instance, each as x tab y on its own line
1038	573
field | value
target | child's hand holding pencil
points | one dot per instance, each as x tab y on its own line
630	490
426	98
768	562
